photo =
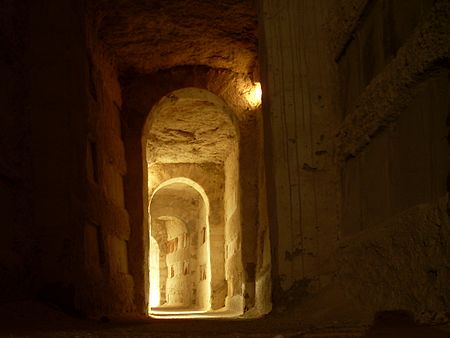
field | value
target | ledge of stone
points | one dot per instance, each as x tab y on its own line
392	90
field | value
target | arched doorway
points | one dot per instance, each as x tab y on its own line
179	213
193	133
192	147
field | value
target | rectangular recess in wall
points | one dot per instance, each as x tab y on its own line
101	246
203	235
185	240
202	272
91	245
94	248
172	245
92	161
185	267
118	254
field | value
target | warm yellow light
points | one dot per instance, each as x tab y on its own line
154	273
254	95
154	297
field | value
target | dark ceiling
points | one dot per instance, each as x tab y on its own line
154	34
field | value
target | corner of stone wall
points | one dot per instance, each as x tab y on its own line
109	287
402	264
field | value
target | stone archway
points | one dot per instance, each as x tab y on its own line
191	133
179	218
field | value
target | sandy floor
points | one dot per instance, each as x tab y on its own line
29	319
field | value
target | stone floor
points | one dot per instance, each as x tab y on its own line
29	319
183	312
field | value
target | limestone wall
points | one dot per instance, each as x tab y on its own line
358	91
263	271
64	133
18	255
179	287
109	289
233	234
300	117
43	124
205	264
395	160
404	165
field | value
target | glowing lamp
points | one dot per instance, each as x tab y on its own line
254	95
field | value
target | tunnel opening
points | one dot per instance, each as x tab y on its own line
179	210
197	212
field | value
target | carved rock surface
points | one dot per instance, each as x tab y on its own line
152	35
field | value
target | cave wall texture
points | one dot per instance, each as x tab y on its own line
43	135
357	98
15	159
354	125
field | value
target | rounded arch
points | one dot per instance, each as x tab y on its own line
183	96
191	136
193	128
183	180
188	258
240	196
190	125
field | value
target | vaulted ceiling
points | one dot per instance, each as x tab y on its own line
149	35
190	126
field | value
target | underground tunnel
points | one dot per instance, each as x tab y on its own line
236	167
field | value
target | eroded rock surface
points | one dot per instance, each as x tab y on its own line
152	35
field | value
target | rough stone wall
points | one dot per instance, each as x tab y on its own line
159	233
402	47
393	146
43	144
109	290
17	251
404	165
300	117
63	146
263	272
233	234
154	35
400	264
248	185
377	71
179	287
207	286
58	117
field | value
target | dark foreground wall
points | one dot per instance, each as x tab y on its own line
357	99
64	224
17	252
43	60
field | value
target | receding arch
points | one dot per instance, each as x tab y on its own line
187	181
192	137
190	125
186	257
